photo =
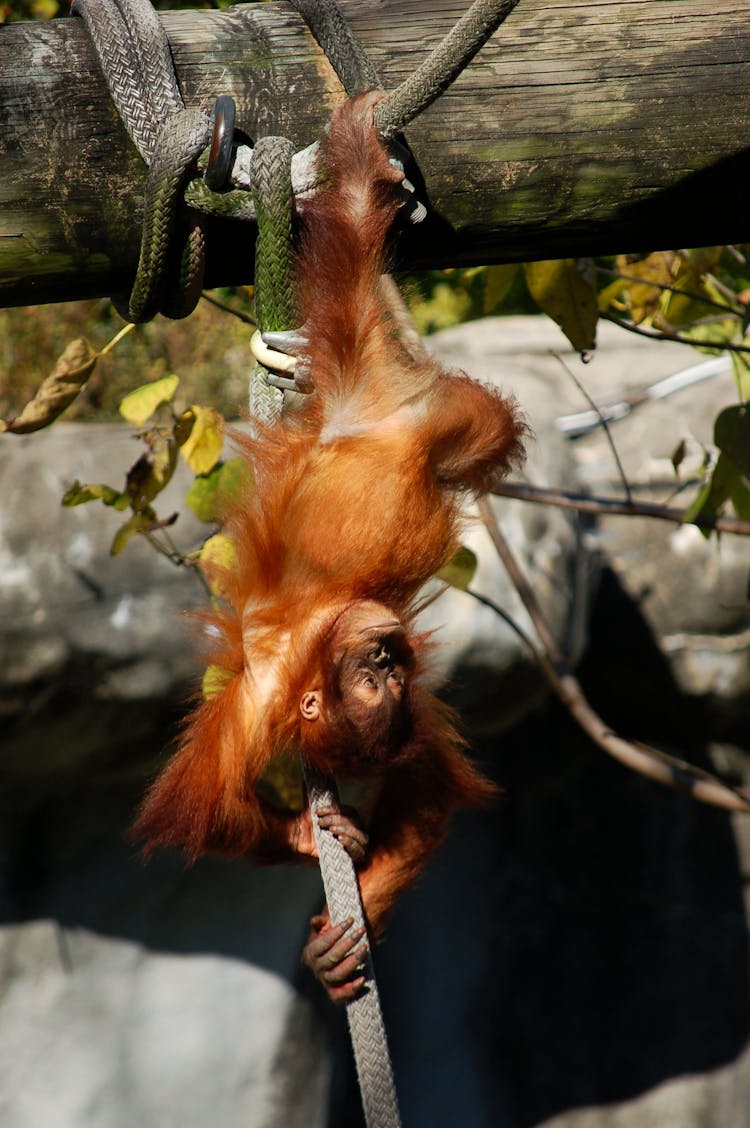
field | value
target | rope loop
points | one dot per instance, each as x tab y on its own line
159	287
133	51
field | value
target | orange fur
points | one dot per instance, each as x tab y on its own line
354	497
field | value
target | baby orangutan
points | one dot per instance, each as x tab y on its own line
352	503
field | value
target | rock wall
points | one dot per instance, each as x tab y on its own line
576	958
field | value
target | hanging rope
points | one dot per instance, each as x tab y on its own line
364	1015
442	66
133	52
275	310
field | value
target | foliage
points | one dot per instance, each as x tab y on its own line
209	350
197	435
698	297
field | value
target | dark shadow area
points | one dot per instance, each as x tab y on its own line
578	945
588	941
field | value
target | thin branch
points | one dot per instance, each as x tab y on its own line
123	332
647	761
655	335
594	407
511	622
726	291
664	286
618	507
238	313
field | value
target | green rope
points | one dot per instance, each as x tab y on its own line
442	66
275	308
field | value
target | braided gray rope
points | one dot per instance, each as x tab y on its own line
133	52
442	66
366	1026
431	78
326	21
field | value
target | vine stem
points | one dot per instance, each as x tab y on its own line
641	758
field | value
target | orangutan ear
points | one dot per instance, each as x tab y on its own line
309	706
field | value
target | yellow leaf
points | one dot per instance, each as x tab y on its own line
561	291
217	558
459	571
140	404
57	391
610	294
203	445
138	523
694	266
644	280
214	680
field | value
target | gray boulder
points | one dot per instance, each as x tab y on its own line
577	957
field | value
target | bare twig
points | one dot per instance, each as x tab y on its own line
647	761
659	335
123	332
665	287
238	313
610	506
594	407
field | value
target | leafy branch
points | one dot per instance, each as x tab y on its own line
197	435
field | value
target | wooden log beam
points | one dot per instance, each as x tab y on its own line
582	127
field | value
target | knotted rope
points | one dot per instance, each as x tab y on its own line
134	55
133	52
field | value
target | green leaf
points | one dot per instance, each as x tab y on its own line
740	495
140	404
678	456
741	370
460	571
202	446
732	435
561	291
716	491
79	494
711	338
138	523
209	493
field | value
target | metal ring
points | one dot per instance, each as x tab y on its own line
220	153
